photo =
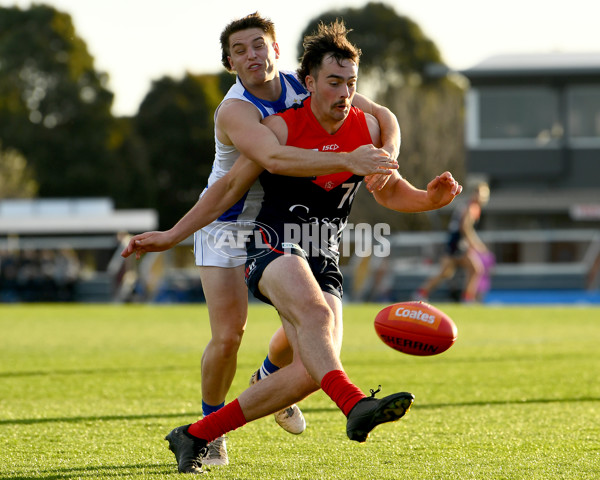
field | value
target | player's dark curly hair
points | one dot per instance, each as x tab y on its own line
254	20
329	40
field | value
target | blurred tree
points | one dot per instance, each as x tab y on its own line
54	107
16	177
394	48
133	185
175	123
396	69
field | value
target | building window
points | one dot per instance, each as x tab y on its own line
513	116
584	114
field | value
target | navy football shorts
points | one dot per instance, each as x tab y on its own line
261	253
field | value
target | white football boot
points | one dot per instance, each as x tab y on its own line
290	418
216	453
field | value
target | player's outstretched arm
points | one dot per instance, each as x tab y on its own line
398	194
237	124
214	202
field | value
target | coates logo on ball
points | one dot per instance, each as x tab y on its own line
416	328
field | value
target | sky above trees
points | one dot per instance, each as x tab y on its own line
137	41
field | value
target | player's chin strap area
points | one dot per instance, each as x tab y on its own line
373	392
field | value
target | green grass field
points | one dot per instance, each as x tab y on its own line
90	391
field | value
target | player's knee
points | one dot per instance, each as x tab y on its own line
228	342
320	318
475	270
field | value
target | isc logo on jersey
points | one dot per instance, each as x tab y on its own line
330	148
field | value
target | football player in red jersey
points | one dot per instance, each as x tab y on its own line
249	49
302	282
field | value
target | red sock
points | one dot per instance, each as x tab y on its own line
219	423
341	390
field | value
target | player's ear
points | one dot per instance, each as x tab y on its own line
310	81
276	49
231	67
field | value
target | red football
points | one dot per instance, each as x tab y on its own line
416	328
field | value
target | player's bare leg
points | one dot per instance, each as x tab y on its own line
315	324
474	268
446	271
291	286
227	301
280	350
295	381
280	389
280	354
284	387
291	383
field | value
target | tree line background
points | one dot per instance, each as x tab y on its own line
58	137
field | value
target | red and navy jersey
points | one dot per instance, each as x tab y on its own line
325	199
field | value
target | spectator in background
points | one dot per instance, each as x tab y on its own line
66	274
9	269
464	249
38	275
